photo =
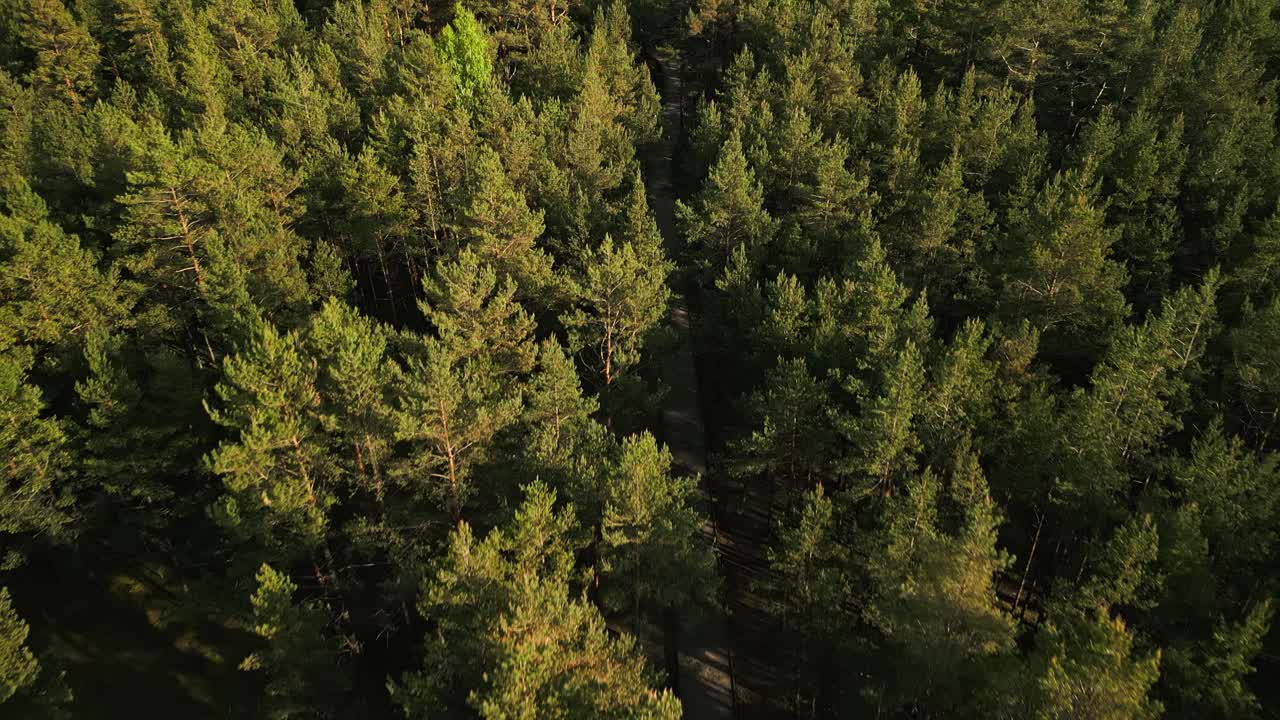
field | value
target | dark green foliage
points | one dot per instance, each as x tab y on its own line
655	555
37	503
298	660
275	466
933	596
1040	175
18	667
27	687
512	639
349	337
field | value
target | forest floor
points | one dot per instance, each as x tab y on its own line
116	633
730	659
706	681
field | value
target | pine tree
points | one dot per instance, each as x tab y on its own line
66	56
319	106
18	666
28	687
1145	165
557	411
458	391
800	149
275	465
792	439
476	316
206	87
378	219
450	412
469	585
149	57
354	380
53	292
489	598
1057	270
1137	393
37	500
143	426
1231	140
623	295
1085	666
962	389
863	319
166	223
737	305
1254	374
358	34
883	437
612	53
837	208
1122	573
933	593
896	134
299	661
498	226
728	211
555	659
1085	662
810	587
638	226
1235	491
201	243
598	154
1209	678
1254	272
551	67
655	555
938	253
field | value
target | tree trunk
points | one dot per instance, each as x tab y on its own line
1027	569
671	647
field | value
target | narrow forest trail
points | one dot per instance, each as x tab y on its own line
706	681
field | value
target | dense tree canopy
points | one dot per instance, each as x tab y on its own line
336	338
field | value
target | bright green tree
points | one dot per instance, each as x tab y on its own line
468	53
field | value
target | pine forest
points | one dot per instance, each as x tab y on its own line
639	359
